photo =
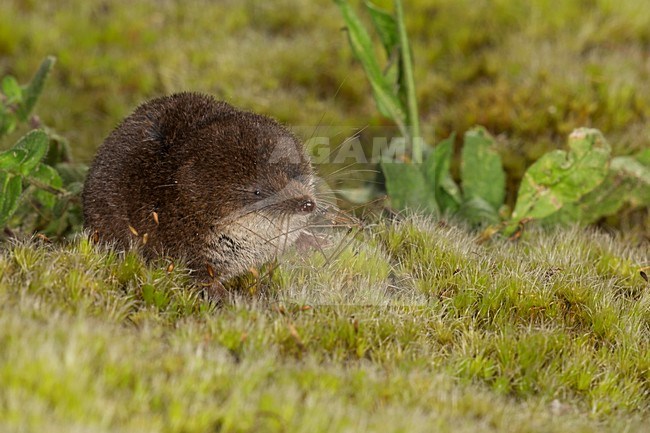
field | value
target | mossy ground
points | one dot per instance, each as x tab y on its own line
407	327
412	326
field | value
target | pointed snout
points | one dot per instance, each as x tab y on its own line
295	197
298	196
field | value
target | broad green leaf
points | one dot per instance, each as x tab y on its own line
449	197
628	181
481	170
36	144
407	187
606	199
47	199
476	210
386	27
11	187
11	90
436	168
437	163
33	90
559	177
387	102
12	159
46	175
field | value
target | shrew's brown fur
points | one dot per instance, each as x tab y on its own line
190	177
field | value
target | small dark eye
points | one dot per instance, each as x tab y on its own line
258	192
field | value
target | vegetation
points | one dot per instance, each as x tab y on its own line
408	324
33	171
530	73
412	327
571	184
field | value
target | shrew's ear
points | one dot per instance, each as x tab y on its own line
287	149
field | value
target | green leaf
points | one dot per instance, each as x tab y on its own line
32	91
481	171
476	210
559	178
11	187
628	181
12	159
46	175
449	197
36	143
437	163
386	27
436	168
387	101
407	187
11	90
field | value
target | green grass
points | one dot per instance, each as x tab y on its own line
409	327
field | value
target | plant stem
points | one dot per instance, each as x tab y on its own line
60	192
412	118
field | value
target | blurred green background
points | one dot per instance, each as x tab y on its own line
529	71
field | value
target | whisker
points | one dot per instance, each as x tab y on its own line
325	112
238	223
352	179
342	168
339	250
286	236
361	170
318	245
